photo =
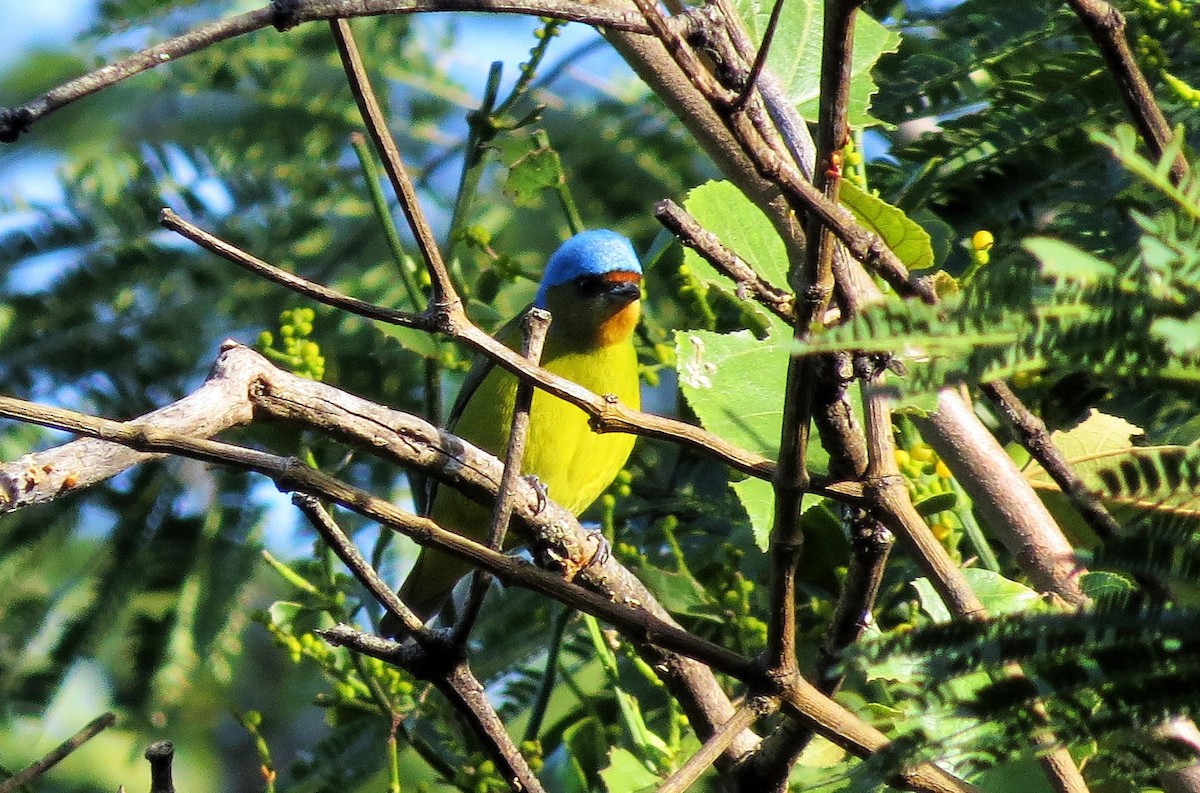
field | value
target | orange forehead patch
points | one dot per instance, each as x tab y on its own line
622	277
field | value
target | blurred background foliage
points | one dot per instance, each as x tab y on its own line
146	594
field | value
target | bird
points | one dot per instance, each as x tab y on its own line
592	288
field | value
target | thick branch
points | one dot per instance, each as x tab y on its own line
218	405
1004	499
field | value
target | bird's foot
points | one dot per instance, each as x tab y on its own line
542	490
603	550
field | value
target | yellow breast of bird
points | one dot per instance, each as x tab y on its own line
574	463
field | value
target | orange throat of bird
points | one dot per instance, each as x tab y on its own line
619	327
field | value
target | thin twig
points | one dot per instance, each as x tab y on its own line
760	58
465	692
15	120
385	144
534	325
682	780
348	552
58	753
887	487
813	279
692	235
1106	25
871	544
1033	435
322	294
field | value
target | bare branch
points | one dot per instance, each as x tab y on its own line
1106	26
692	235
14	121
348	552
1003	497
681	781
385	144
219	404
58	753
534	325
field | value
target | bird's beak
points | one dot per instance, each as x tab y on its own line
623	288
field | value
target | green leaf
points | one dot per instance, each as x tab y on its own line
998	594
795	56
1001	595
1101	583
679	593
1097	435
626	774
735	384
907	239
758	499
722	209
532	168
939	502
931	602
1065	262
1100	450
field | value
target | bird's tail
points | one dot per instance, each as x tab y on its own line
427	587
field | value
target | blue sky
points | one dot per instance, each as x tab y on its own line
28	24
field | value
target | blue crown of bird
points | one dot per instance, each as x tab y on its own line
591	287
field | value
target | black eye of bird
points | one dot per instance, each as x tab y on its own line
591	285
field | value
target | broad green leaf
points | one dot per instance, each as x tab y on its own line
758	499
1098	434
679	593
1100	450
735	384
627	774
532	168
1101	583
931	602
907	239
1065	262
999	595
722	209
795	56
